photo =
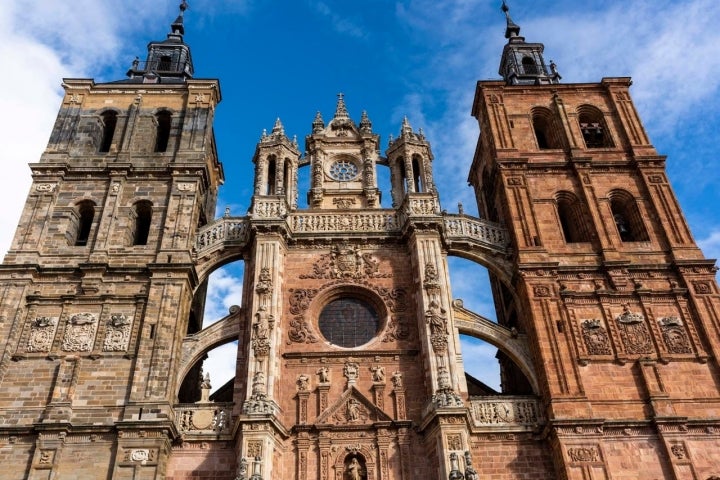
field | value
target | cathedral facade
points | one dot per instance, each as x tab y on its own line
349	364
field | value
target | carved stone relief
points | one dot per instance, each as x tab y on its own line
583	454
351	370
596	338
263	325
346	261
634	332
437	321
80	333
117	335
674	335
42	333
454	442
678	450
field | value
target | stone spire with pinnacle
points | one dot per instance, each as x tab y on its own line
523	63
341	112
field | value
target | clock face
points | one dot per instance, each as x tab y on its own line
343	170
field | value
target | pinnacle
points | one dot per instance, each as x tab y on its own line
341	110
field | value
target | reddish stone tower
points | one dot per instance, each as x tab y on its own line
619	305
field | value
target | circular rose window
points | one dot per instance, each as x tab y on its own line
349	322
343	170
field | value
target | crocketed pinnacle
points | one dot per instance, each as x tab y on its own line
365	123
341	112
318	124
406	128
278	128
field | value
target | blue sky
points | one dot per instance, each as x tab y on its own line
418	58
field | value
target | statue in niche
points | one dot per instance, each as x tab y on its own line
353	410
435	316
303	383
263	324
397	379
355	470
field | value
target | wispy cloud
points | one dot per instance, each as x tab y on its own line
480	362
339	23
224	291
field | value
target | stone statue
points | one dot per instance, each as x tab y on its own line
303	383
352	371
397	379
354	470
353	410
435	317
378	374
323	374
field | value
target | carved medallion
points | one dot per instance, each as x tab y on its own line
674	335
117	335
346	261
80	333
42	333
634	332
583	454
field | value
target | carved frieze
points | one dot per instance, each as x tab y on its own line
42	333
634	332
494	411
702	288
596	338
541	291
80	333
398	328
117	335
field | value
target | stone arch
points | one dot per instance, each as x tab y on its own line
513	344
196	346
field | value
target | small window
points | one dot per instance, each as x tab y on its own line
85	215
109	122
271	179
164	120
348	322
627	218
529	66
143	217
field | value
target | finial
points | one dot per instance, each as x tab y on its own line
406	129
512	30
341	109
183	6
278	127
318	124
365	123
177	27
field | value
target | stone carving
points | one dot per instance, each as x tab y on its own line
80	333
354	470
435	318
398	328
504	412
354	411
397	380
300	330
323	374
343	203
45	187
258	386
470	472
303	383
679	451
702	288
674	335
351	371
254	449
445	395
346	262
186	187
140	455
454	442
455	473
264	283
432	279
596	338
541	291
634	332
42	332
219	421
264	323
117	335
378	374
46	457
583	454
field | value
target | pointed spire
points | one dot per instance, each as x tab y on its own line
341	110
512	30
365	123
318	124
177	27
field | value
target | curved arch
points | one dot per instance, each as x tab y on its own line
627	217
514	345
572	218
593	127
194	347
546	129
108	118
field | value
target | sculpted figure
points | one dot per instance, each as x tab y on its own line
355	470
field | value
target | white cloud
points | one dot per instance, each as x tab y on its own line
221	364
711	244
224	291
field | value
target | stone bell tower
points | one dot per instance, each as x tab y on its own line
98	284
618	303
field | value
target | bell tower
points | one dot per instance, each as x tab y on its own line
618	302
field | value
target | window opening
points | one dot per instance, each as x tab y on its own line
348	322
165	63
86	213
163	131
417	178
109	122
271	177
529	66
143	217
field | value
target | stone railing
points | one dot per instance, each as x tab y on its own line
274	208
222	230
516	413
459	227
204	418
362	222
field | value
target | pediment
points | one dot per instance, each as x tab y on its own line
352	408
